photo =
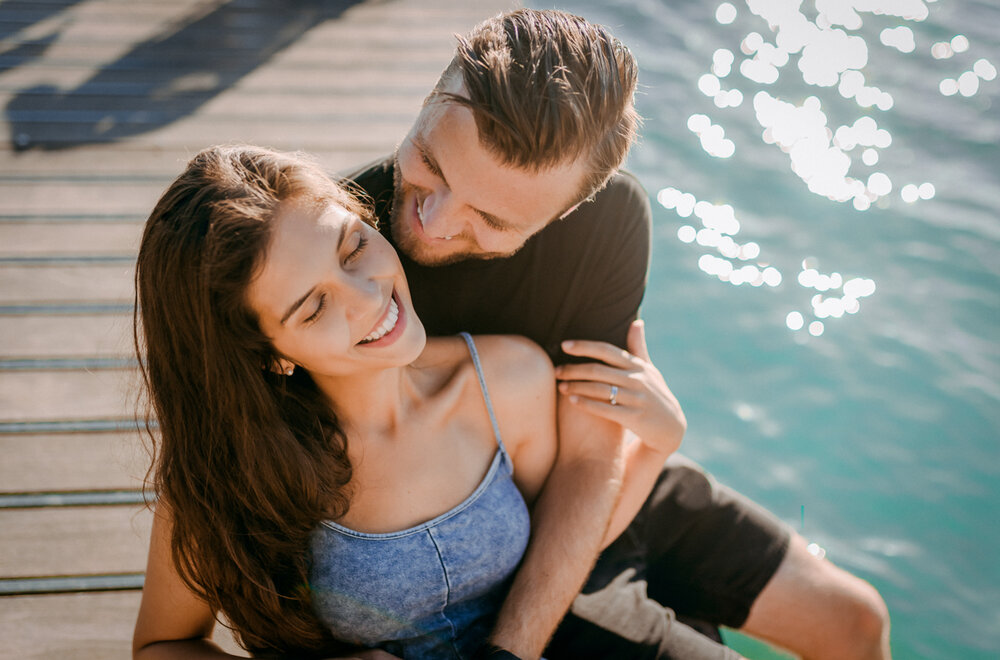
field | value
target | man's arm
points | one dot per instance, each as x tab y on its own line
571	517
642	403
569	524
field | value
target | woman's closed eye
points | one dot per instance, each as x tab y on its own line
356	252
318	311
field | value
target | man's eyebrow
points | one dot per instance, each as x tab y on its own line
298	303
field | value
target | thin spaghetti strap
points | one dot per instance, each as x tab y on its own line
482	386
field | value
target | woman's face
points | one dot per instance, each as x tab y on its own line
332	296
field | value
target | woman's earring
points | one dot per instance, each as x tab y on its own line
289	371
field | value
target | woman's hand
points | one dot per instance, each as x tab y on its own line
642	402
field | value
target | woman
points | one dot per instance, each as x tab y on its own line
324	471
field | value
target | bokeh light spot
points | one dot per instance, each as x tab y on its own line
725	14
948	87
900	38
942	50
984	69
709	85
968	84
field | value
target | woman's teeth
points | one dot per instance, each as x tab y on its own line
387	325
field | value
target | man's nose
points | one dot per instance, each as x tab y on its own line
440	215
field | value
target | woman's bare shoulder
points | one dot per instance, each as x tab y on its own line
512	360
517	371
521	382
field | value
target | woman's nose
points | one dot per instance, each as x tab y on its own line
361	294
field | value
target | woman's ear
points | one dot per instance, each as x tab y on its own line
281	367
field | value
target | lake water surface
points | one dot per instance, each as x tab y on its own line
825	292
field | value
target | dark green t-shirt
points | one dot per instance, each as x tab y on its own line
581	277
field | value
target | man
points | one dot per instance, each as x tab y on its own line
506	205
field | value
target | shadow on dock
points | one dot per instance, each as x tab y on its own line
158	82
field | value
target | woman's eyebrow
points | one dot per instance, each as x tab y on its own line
298	303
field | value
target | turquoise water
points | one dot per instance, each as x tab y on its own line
878	435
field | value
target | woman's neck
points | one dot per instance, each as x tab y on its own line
371	403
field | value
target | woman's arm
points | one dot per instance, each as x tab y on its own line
172	622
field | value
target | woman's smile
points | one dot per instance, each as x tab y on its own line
390	325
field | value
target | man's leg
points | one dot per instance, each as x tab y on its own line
618	620
735	564
817	610
710	554
621	615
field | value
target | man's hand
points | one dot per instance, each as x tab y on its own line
642	402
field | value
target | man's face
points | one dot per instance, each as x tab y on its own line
455	201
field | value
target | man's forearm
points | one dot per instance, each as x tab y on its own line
642	467
569	523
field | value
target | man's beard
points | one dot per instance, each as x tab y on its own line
410	245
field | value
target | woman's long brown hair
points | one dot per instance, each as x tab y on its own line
248	460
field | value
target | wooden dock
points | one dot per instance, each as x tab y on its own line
105	100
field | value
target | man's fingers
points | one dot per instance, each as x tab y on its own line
600	392
592	371
599	350
617	414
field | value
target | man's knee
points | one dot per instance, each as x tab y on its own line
868	621
819	610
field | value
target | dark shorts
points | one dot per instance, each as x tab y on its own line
696	556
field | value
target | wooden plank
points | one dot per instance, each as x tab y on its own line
84	238
74	540
359	80
424	31
72	461
55	336
23	284
222	60
236	103
17	198
119	160
356	133
79	626
68	395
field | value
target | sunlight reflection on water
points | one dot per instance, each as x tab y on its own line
819	154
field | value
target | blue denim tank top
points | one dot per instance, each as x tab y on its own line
433	590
